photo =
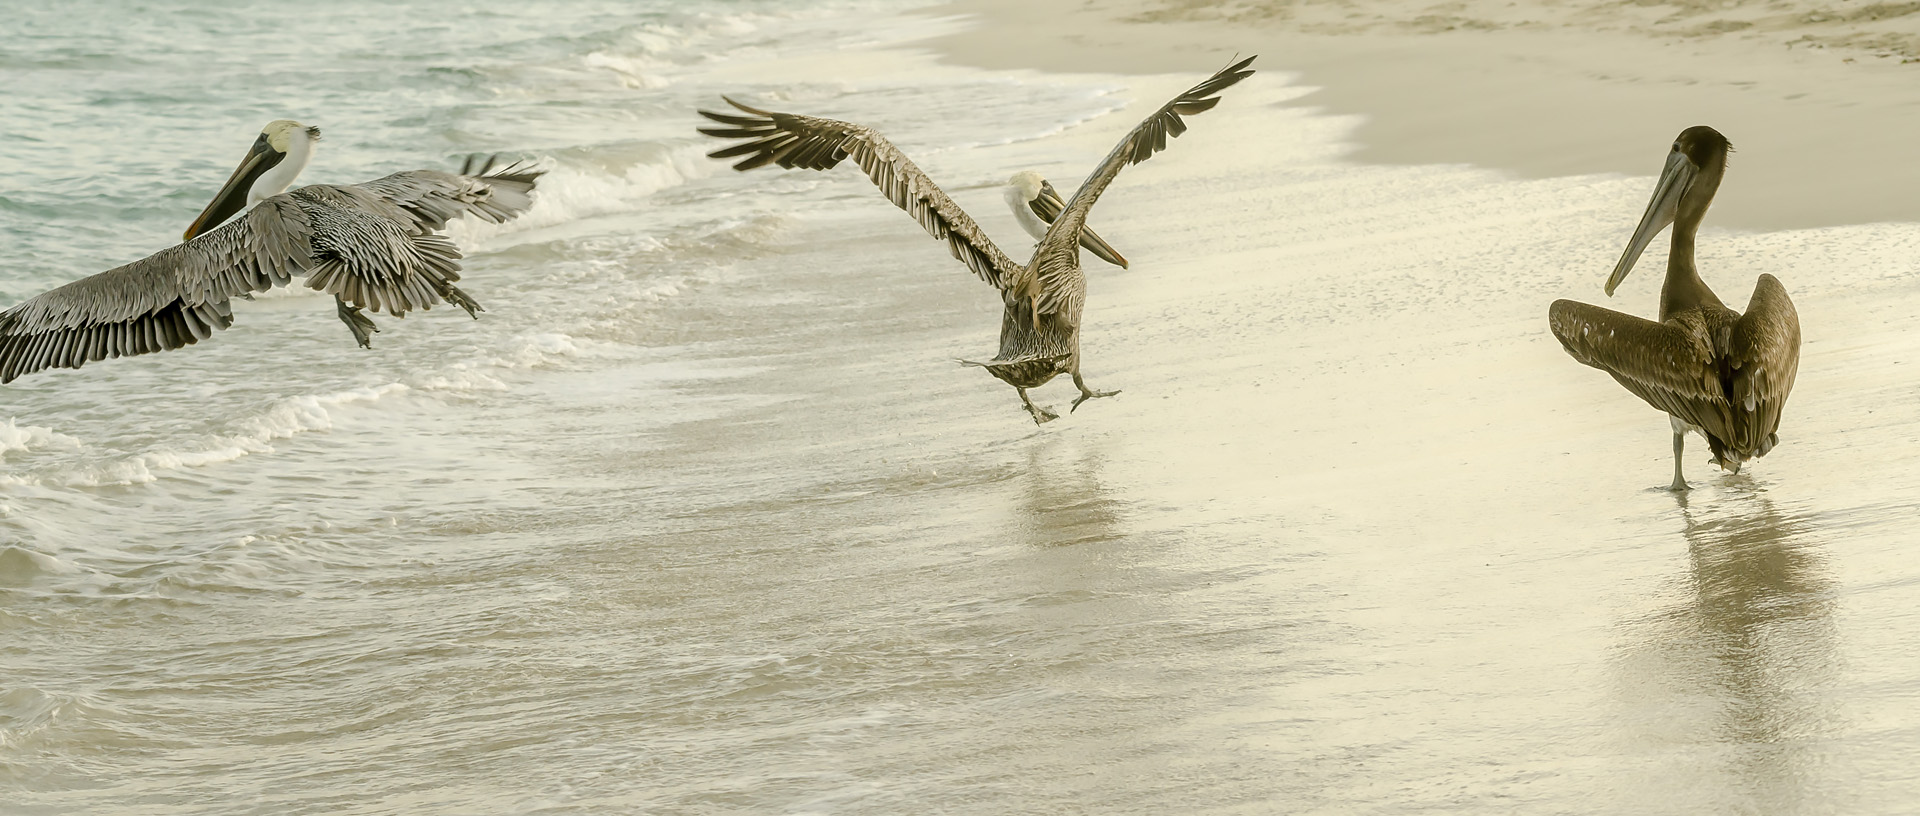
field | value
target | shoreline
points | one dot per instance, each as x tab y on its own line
1823	133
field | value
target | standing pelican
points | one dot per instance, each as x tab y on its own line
370	245
1713	370
1040	326
1036	204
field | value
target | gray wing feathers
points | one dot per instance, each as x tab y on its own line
173	298
1764	353
811	143
1057	259
375	262
428	199
370	244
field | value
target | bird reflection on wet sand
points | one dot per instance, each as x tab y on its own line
1063	501
1743	665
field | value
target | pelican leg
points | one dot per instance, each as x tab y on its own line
1040	414
1679	442
361	325
1086	393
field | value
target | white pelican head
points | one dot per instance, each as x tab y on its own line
279	154
1036	204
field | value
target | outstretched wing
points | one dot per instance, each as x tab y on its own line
791	141
1764	352
370	244
484	188
173	298
1670	365
1057	259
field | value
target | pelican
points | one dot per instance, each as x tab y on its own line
1036	204
1714	371
370	245
1040	326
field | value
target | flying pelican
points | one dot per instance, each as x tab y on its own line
1714	371
370	245
1036	204
1040	327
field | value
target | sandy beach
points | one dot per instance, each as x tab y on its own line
1819	98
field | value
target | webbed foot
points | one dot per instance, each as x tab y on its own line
361	325
1087	395
1040	415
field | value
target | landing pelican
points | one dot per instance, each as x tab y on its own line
1040	325
1036	204
1713	370
370	245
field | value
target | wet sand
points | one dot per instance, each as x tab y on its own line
1356	536
1820	99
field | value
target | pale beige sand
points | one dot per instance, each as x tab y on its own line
1821	99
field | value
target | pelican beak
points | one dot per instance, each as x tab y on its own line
232	198
1674	181
1048	206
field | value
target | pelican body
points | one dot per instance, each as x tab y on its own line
372	245
1043	299
1715	371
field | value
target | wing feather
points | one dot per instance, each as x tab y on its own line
811	143
484	188
1671	365
1764	352
1057	259
371	244
141	307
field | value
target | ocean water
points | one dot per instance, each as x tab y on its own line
700	516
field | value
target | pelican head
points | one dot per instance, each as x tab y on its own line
1686	187
266	171
1036	204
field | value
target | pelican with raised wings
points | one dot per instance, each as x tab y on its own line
372	245
1715	371
1040	325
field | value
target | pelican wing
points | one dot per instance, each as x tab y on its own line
367	257
1672	365
1057	259
173	298
791	141
484	188
1764	352
1047	206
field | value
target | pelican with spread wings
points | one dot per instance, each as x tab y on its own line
1715	371
373	245
1040	326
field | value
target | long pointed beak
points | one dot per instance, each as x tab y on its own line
1049	207
1674	181
232	198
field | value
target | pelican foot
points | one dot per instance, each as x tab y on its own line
1041	415
1678	486
361	325
1087	395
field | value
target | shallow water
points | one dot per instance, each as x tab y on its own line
700	516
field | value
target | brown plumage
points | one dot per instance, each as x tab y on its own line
1713	370
1040	325
371	245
